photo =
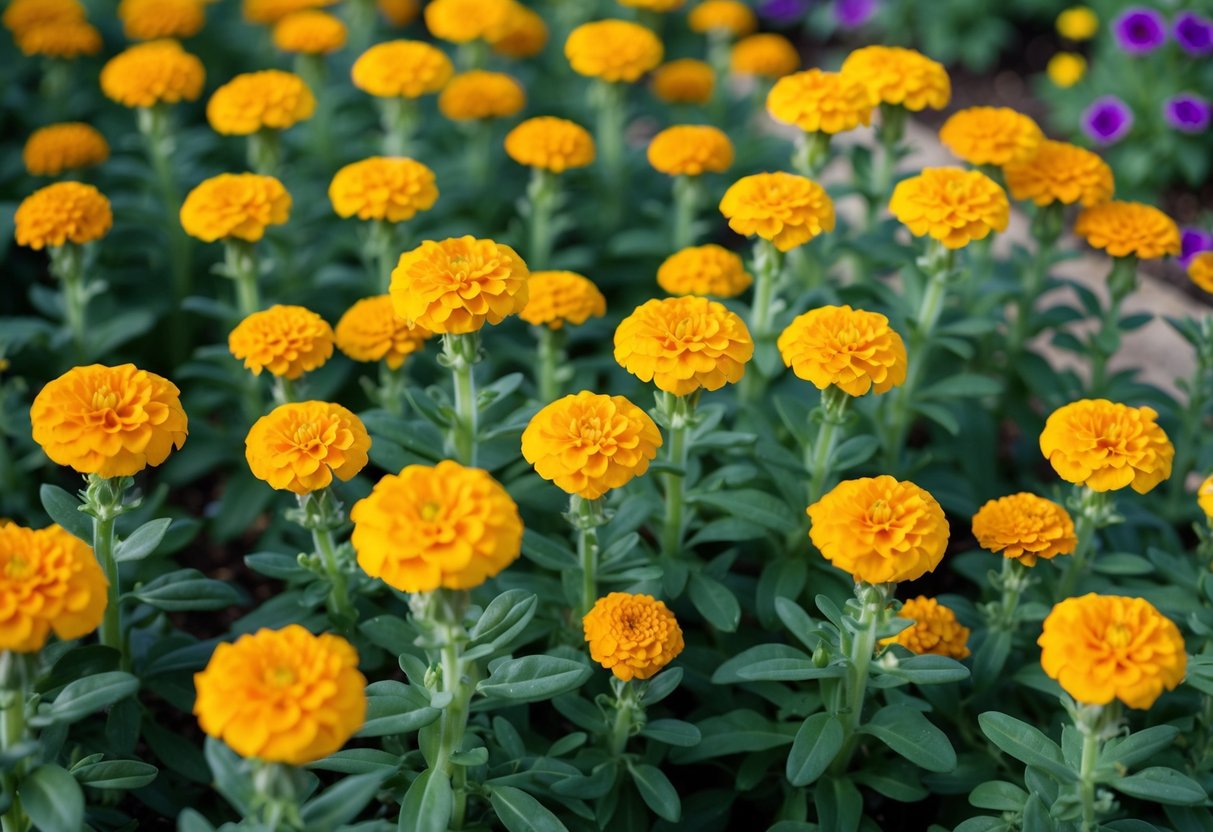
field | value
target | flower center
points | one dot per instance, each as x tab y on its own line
1118	635
104	399
280	677
16	568
430	510
880	513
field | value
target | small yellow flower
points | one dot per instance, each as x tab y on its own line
1107	446
402	69
935	630
1025	527
1128	229
475	95
151	19
286	340
310	32
1204	497
65	212
819	102
64	39
786	209
21	15
463	21
1077	23
1065	69
255	101
1061	172
690	150
765	55
271	11
731	16
51	150
902	77
633	636
613	50
991	136
370	330
399	12
157	72
854	350
951	205
235	206
382	188
684	81
704	270
458	285
1200	270
559	298
525	34
550	143
301	446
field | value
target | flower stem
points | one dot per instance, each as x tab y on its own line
12	732
103	501
381	250
542	195
442	611
627	705
1046	228
240	264
1012	582
884	162
321	516
399	119
551	356
612	119
678	412
587	516
860	645
460	354
812	153
1105	341
768	266
687	195
1096	723
67	264
834	402
1187	442
1092	509
264	151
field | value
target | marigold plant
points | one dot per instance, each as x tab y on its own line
819	102
288	341
382	188
991	136
1200	270
151	19
935	630
65	212
402	69
1128	229
899	76
310	32
731	16
1060	172
1107	446
853	350
525	34
787	209
157	72
684	81
550	143
21	15
765	55
65	39
302	446
238	206
613	50
1025	527
633	636
370	330
654	5
951	205
690	150
475	95
704	270
462	21
271	11
559	298
269	99
51	150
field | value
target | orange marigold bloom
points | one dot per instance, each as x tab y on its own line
1128	229
684	344
51	150
151	19
282	696
286	340
633	636
654	5
704	270
893	75
1060	172
1105	647
766	55
399	12
235	206
463	21
787	209
370	330
458	285
854	350
731	16
684	81
310	32
559	298
21	15
445	526
1106	445
301	446
1025	527
402	69
613	50
1204	497
271	11
690	150
819	102
255	101
479	94
525	34
951	205
1200	270
879	530
157	72
935	630
109	421
62	39
589	443
65	212
551	143
382	188
991	136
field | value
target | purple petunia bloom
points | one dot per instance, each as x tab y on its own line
1192	241
1194	33
784	11
1140	30
1106	120
851	14
1187	113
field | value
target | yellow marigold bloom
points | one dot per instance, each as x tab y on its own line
65	212
310	32
893	75
51	150
1204	497
49	580
282	696
559	298
151	19
766	55
235	205
1025	527
704	270
684	344
463	21
255	101
458	285
633	636
109	421
787	209
991	136
157	72
1065	69
613	50
1077	23
286	340
854	350
479	94
399	12
21	15
1106	445
589	443
684	81
1061	172
1105	647
1200	270
445	526
382	188
731	16
271	11
819	102
1128	229
935	630
879	530
525	34
551	143
402	69
370	330
64	39
951	205
301	446
654	5
690	150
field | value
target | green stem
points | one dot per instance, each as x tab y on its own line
1012	582
1092	510
104	502
834	402
460	354
587	516
884	163
626	705
612	119
399	119
687	195
314	72
479	152
1105	341
768	268
390	392
339	596
67	264
382	251
264	151
811	154
542	195
444	610
1191	421
241	266
12	732
861	647
679	411
551	355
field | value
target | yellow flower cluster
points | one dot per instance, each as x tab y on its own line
901	77
690	150
764	55
65	212
381	188
633	636
991	136
51	150
613	50
269	99
475	95
1061	172
731	16
787	209
157	72
235	206
1128	229
370	330
550	143
301	446
819	102
402	69
151	19
64	39
854	350
1200	270
556	298
951	205
684	81
704	270
458	285
286	340
23	15
310	32
1107	446
1025	527
463	21
935	630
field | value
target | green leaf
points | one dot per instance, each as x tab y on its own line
187	589
799	623
657	791
64	509
672	732
839	804
913	736
1137	748
52	799
772	662
89	695
1025	743
928	670
116	774
963	386
817	743
661	685
983	823
230	775
533	678
142	541
1161	785
715	602
502	620
752	505
191	821
519	812
428	803
999	796
546	552
358	761
341	803
395	708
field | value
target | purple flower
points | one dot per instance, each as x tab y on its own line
1194	33
1192	241
1140	30
784	11
1187	113
1106	120
851	14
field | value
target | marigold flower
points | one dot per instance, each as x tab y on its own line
51	150
1128	229
819	102
991	136
151	19
589	443
255	101
1025	527
458	285
1204	497
301	446
21	15
463	21
731	16
704	270
690	150
235	206
310	32
65	212
525	34
445	526
654	5
399	12
1105	647
62	39
559	298
854	350
1200	270
1077	23
766	55
1061	172
402	69
271	11
478	94
613	50
893	75
1065	69
109	421
951	205
286	340
879	530
684	81
684	344
382	188
935	630
370	330
156	72
282	696
786	209
1106	445
551	143
633	636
